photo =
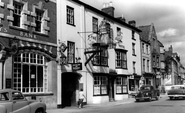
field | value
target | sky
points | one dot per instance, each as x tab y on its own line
168	17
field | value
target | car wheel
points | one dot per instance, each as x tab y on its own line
137	100
39	111
157	98
171	98
150	99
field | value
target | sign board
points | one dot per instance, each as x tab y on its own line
131	77
63	60
63	47
76	66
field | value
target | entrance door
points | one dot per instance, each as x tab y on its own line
111	89
69	87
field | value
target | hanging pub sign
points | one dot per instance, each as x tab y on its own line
76	66
131	77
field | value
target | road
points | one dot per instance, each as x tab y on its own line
163	105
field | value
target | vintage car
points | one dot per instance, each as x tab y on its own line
176	91
147	92
13	101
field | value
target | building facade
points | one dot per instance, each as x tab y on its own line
108	49
29	48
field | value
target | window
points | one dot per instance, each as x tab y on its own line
101	58
133	33
121	85
100	85
95	25
134	67
70	15
71	52
38	20
154	63
147	50
144	65
17	14
29	74
143	49
133	49
157	61
121	59
148	65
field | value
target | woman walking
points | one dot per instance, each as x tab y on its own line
81	98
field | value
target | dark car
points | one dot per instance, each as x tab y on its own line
176	91
147	92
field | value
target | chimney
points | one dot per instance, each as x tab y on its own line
132	23
108	8
171	49
122	18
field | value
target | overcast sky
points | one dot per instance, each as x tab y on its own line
168	17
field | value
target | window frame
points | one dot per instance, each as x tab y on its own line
134	66
121	85
100	57
30	59
17	16
101	82
133	49
70	55
38	22
95	25
121	56
70	16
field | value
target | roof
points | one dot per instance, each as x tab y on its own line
106	15
144	35
160	44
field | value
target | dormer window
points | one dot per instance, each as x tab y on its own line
17	14
38	20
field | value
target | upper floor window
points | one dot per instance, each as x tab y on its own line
95	25
148	67
38	20
143	48
144	65
133	49
71	52
157	61
121	59
70	15
134	67
17	14
133	34
101	58
147	49
154	62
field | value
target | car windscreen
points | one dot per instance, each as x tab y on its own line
4	96
177	87
145	88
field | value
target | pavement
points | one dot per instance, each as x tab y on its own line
75	109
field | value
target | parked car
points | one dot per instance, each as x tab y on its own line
176	91
13	101
147	92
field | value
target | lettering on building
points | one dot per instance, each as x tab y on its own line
28	35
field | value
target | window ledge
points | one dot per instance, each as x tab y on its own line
134	55
18	28
38	94
71	24
42	34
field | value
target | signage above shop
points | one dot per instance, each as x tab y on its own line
76	66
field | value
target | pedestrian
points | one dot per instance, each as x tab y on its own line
81	98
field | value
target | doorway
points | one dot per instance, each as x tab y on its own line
70	84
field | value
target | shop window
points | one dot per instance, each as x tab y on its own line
121	85
70	15
101	58
17	14
30	73
100	85
121	59
71	52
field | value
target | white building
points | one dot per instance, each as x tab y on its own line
108	49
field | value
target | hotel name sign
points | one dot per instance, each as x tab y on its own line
21	33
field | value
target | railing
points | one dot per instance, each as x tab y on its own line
32	89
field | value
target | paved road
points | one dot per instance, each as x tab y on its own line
163	105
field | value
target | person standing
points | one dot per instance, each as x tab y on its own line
81	98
